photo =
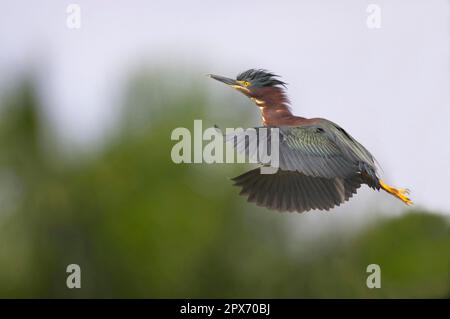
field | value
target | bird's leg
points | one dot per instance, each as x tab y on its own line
400	193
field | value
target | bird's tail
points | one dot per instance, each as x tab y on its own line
294	191
400	193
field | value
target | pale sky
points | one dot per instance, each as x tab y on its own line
388	87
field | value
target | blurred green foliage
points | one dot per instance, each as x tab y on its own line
142	226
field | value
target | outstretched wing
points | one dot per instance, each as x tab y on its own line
294	191
318	150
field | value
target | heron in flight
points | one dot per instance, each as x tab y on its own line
320	165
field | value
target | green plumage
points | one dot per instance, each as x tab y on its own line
319	162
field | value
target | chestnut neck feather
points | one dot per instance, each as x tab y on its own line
274	106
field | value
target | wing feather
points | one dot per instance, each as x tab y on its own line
318	150
293	191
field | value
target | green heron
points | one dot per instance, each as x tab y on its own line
320	164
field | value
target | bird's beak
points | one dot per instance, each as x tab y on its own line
233	83
224	79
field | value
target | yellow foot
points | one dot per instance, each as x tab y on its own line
400	193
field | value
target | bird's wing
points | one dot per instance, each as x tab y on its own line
294	191
318	150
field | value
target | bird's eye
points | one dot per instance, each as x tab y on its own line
246	83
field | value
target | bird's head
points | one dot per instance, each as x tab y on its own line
262	86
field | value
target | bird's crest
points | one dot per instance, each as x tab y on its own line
260	78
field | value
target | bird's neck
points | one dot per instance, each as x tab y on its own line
275	116
274	106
